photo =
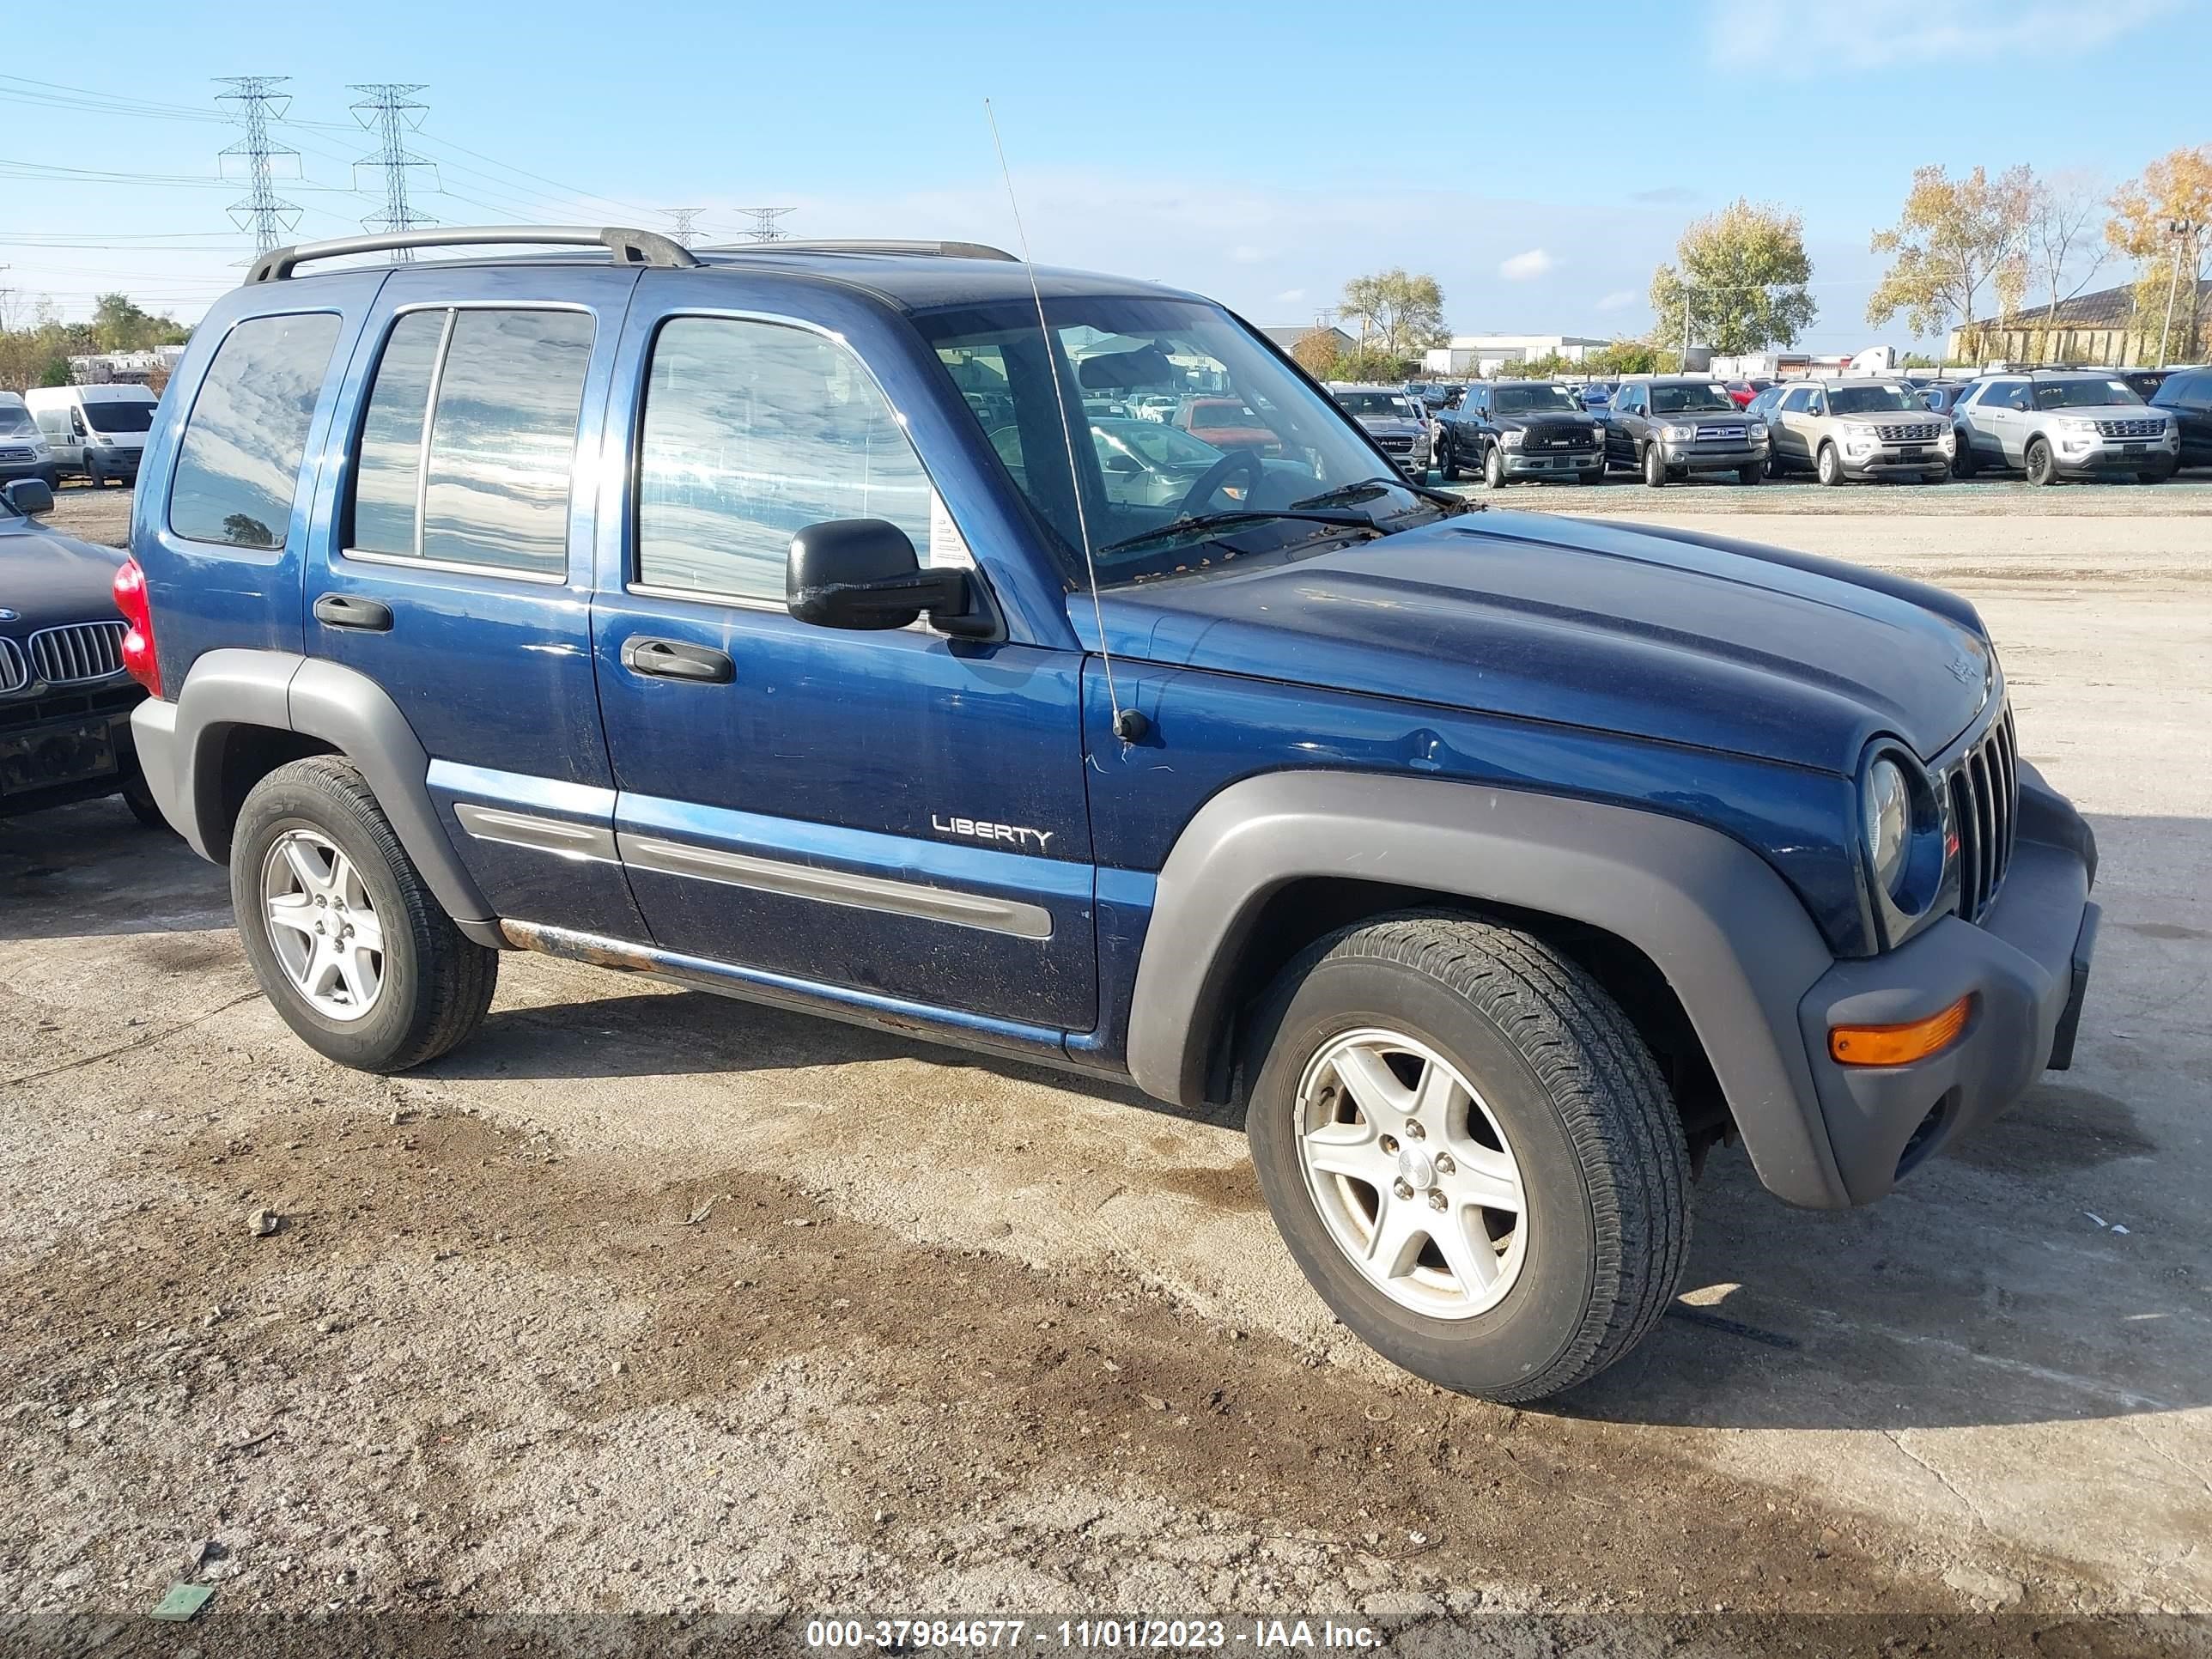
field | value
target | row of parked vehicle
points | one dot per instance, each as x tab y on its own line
93	432
2047	425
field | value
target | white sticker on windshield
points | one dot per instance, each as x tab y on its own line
948	549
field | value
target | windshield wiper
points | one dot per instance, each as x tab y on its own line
1201	522
1365	490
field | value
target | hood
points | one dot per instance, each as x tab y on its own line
1724	647
47	578
1396	425
1535	418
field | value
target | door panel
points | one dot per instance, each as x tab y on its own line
481	564
890	812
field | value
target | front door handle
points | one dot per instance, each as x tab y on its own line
677	659
345	610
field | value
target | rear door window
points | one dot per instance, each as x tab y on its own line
238	466
501	390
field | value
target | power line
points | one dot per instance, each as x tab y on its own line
267	215
765	228
684	231
388	107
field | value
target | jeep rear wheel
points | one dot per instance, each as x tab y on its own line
348	943
1469	1152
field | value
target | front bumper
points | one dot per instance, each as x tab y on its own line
1895	463
75	748
35	468
2111	455
1711	457
2027	966
1551	463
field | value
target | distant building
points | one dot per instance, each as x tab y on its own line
1485	353
1288	335
1779	365
151	368
2103	327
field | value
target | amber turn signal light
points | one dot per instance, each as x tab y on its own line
1900	1045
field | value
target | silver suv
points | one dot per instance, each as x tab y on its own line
1849	427
1393	417
2065	424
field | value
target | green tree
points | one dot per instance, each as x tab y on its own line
119	324
1623	357
1955	238
1741	282
1397	314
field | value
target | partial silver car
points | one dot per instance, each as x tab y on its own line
1399	425
2065	423
1844	426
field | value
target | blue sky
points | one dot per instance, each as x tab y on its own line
1541	171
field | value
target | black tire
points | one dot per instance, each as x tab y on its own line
1447	461
1588	1117
437	982
2042	467
1654	467
2153	477
53	476
1829	467
1494	467
1755	473
93	474
1962	458
143	807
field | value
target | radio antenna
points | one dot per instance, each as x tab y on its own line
1129	724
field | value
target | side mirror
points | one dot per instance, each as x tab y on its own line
30	497
863	574
1125	464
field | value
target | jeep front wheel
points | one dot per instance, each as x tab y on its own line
350	946
1469	1152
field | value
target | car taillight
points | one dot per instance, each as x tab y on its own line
138	656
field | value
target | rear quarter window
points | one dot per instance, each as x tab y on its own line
237	467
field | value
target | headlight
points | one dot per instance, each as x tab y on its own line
1679	435
1886	812
1756	432
2073	427
1513	437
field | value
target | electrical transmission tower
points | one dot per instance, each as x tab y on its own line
265	213
388	109
683	230
765	228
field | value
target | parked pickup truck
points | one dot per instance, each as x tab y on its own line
677	612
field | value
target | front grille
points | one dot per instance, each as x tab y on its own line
1909	435
1560	437
77	652
15	454
1396	446
14	676
2132	429
1720	435
1984	816
69	705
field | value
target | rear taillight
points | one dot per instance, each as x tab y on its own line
138	658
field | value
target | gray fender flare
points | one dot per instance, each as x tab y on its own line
182	744
1729	934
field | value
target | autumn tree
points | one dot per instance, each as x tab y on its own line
1955	238
1739	280
2062	242
1315	351
1397	314
2176	189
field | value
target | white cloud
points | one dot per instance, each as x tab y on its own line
1525	267
1290	296
1806	41
1246	254
1619	299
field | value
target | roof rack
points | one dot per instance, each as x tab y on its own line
932	250
629	247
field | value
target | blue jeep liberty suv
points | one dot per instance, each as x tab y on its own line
818	624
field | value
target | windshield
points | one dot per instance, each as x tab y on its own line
16	423
1873	400
1691	399
1278	442
2083	394
120	417
1537	399
1375	403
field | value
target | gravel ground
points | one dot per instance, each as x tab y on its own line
648	1301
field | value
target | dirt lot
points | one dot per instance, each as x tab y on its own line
652	1302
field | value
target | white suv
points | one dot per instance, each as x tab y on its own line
2065	424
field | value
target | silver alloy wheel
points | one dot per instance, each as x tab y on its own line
322	925
1413	1175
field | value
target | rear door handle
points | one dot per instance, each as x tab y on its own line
677	659
344	610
